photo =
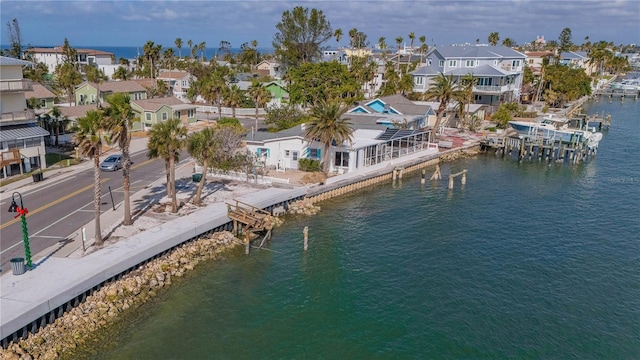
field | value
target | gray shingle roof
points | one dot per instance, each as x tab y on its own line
425	70
12	61
16	132
261	136
483	70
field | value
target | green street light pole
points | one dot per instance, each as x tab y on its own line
22	212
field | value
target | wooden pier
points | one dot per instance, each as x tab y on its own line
253	220
615	93
538	149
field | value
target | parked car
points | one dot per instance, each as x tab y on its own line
112	163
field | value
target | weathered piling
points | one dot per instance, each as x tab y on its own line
453	176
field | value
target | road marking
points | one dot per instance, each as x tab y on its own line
55	202
135	166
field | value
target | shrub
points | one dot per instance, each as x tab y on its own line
309	165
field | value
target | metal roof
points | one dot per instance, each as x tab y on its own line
12	61
482	70
18	132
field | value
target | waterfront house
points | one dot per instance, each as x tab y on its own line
45	98
178	82
282	150
87	92
53	57
498	70
153	111
577	60
21	139
394	111
535	59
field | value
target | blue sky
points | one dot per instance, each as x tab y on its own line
134	22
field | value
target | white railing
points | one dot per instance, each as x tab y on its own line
239	176
16	85
227	111
486	88
28	114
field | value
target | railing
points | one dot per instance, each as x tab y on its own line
16	85
243	112
487	88
238	176
28	114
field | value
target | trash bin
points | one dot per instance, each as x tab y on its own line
196	177
37	176
18	266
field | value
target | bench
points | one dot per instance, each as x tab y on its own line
445	144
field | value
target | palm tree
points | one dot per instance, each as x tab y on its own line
326	125
55	122
233	98
423	47
465	94
121	73
254	44
202	48
119	119
412	36
96	76
203	146
338	35
443	89
89	139
166	139
260	96
493	38
190	43
178	43
383	46
399	42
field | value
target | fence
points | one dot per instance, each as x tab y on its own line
239	176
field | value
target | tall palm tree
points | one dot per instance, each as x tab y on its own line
203	146
399	42
423	47
254	44
338	35
233	98
55	122
178	43
412	36
190	43
90	139
443	89
119	118
465	95
493	38
260	96
166	139
382	43
202	47
326	125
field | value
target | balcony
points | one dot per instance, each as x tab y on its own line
487	89
20	85
20	116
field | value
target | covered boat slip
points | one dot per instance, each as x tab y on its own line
392	144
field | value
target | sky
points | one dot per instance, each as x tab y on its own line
134	22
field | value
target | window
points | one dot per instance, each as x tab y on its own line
418	80
478	97
287	153
191	113
263	152
453	63
441	63
495	62
184	83
530	61
429	62
515	63
470	63
294	155
148	116
342	159
314	153
43	103
165	116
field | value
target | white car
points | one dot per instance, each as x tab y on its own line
112	163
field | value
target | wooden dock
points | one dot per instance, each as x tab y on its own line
538	149
252	219
615	93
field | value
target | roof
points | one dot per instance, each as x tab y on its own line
74	112
483	70
539	53
396	102
123	86
39	92
572	55
9	61
156	104
173	74
17	132
262	136
425	70
477	52
59	50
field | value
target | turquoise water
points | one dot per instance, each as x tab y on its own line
527	261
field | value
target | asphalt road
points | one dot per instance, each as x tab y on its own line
59	208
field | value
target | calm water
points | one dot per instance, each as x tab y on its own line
527	261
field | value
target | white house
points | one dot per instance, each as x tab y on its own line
52	57
178	82
21	139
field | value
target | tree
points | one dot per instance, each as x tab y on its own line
202	47
36	73
313	82
443	89
338	35
260	96
399	43
67	74
121	73
327	126
151	56
203	146
233	98
493	38
55	122
423	47
190	43
90	139
382	43
465	95
166	139
508	42
119	119
281	117
15	39
300	36
564	40
96	76
412	37
178	43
